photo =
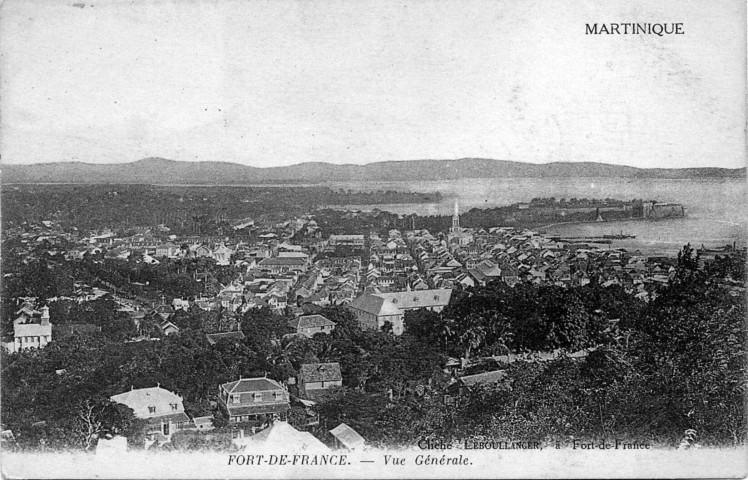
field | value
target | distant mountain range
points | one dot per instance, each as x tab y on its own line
163	171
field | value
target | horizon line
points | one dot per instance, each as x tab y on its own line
368	163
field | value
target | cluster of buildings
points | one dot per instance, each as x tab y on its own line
260	404
464	257
377	277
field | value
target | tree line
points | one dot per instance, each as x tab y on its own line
654	369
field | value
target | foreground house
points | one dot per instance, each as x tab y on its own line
346	437
163	410
111	447
281	436
318	377
248	399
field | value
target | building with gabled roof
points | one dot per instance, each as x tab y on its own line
346	437
282	264
231	337
311	324
281	436
347	240
247	399
372	310
484	272
203	423
314	377
31	329
163	410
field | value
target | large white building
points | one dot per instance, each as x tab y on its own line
347	241
31	329
373	310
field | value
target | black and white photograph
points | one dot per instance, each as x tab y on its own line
373	239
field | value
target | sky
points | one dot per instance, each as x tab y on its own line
267	83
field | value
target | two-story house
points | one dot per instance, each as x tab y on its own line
373	310
247	399
163	410
282	264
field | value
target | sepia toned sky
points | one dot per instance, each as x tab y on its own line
280	82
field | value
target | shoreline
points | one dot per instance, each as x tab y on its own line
615	220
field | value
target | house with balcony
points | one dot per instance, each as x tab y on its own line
253	399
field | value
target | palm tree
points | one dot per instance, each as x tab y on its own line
446	330
471	339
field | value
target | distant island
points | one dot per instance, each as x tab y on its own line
170	172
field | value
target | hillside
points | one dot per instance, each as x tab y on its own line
162	171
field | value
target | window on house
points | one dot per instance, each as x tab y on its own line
151	409
258	397
174	406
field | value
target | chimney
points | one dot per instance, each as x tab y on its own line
45	315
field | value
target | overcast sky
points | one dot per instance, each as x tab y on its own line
281	82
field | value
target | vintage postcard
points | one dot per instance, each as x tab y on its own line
373	239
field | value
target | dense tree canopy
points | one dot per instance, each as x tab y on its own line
654	369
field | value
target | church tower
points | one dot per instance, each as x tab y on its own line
455	220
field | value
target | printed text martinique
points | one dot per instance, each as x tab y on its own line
660	29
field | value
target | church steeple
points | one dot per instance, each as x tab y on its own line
456	219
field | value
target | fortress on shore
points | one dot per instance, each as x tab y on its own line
655	210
